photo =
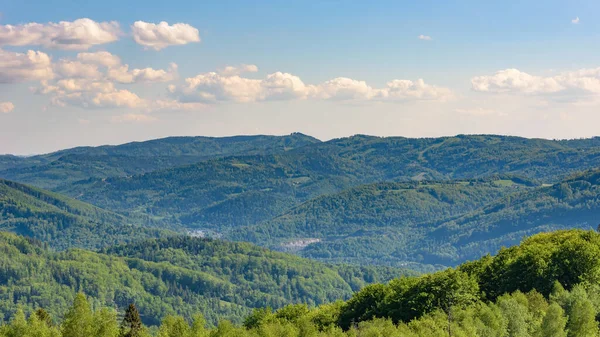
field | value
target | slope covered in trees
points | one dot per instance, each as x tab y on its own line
439	224
245	190
572	203
65	166
399	206
170	276
547	286
62	222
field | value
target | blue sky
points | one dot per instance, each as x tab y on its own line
333	64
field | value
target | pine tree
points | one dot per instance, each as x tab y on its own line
44	316
132	324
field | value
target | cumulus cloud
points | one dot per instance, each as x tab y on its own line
133	118
405	90
244	68
99	99
162	35
6	107
343	88
91	80
575	21
122	74
75	69
21	67
210	87
102	58
214	87
425	37
80	34
570	86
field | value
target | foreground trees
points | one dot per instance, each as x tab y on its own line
562	314
547	286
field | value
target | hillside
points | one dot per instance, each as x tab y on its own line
63	222
574	202
546	286
171	276
220	193
429	223
245	190
65	166
404	208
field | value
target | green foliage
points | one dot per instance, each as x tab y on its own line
82	163
62	222
517	314
175	276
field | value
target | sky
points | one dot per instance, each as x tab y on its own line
76	73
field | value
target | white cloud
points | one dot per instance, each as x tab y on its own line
102	58
90	82
214	87
19	67
575	21
283	86
405	90
244	68
425	37
122	74
567	86
514	80
343	88
210	87
99	99
6	107
159	36
75	69
133	118
80	34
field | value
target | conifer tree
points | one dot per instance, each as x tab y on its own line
132	323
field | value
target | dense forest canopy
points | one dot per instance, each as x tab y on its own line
66	166
423	203
62	222
177	275
117	228
547	286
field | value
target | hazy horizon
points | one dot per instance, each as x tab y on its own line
91	75
280	135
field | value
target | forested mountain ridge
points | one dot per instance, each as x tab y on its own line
430	223
402	207
62	222
170	276
244	190
574	202
546	286
65	166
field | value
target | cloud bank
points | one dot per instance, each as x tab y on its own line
80	34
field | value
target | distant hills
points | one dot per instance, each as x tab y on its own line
62	167
362	199
62	222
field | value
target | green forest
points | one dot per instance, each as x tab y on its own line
547	286
476	235
178	275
